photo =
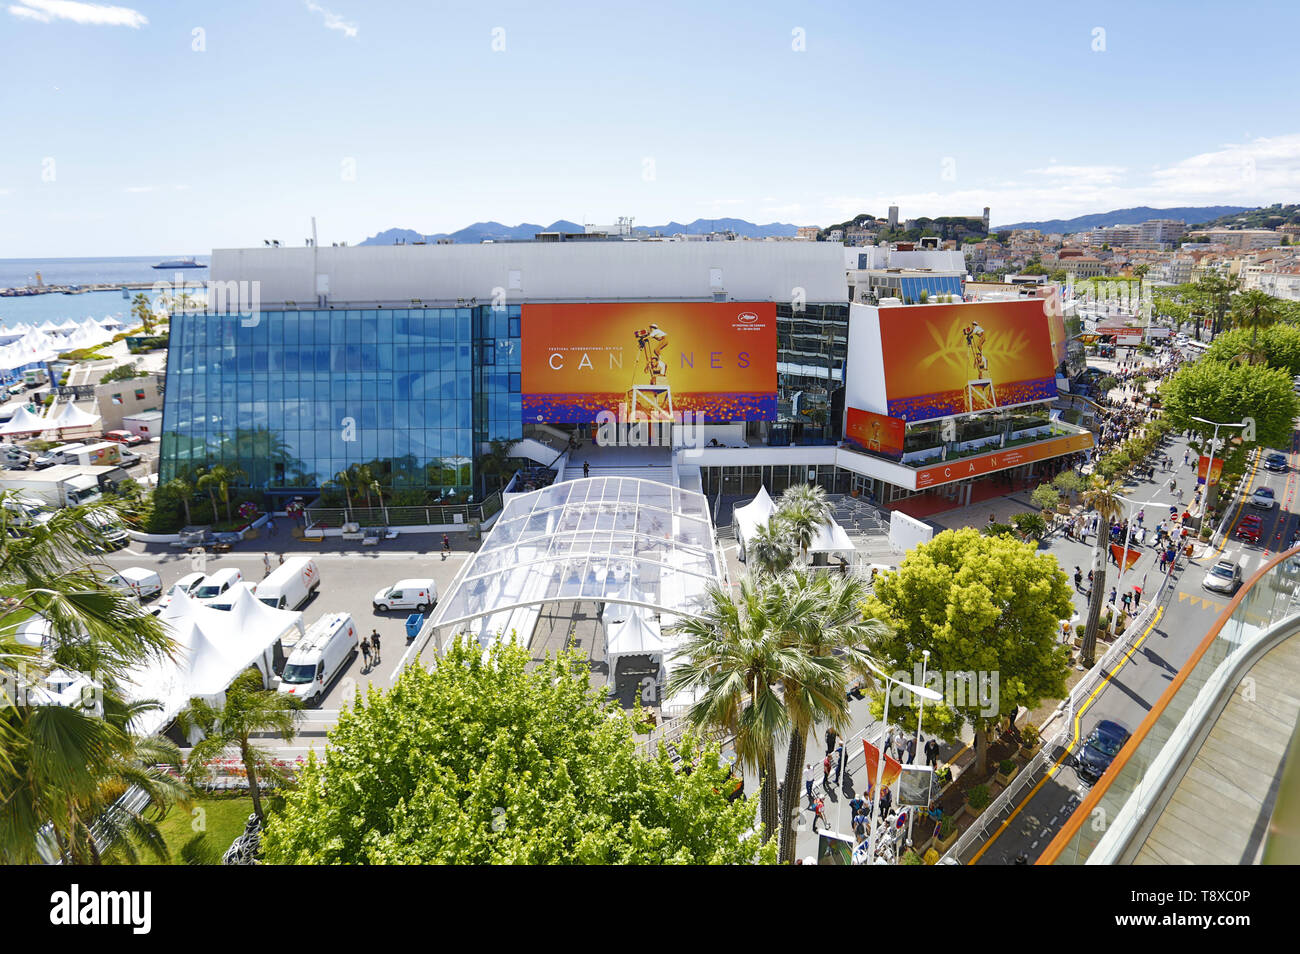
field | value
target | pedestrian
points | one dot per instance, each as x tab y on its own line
365	654
886	801
374	643
1125	599
1137	596
281	559
900	745
1186	457
830	741
1078	579
266	564
1113	592
819	814
446	546
809	776
839	763
270	526
826	773
932	753
586	468
911	750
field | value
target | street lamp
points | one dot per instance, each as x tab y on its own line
880	752
1209	468
1128	533
920	713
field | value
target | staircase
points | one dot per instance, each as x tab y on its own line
661	473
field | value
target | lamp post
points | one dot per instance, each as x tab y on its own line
880	752
920	713
1209	468
1128	533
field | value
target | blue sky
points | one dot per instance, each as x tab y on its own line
121	138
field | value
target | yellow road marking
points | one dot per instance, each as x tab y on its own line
1105	681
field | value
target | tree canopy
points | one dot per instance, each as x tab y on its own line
1227	393
483	761
979	604
1279	344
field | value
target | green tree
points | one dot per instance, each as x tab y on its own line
1253	311
819	615
182	489
142	308
344	479
1045	497
1228	393
249	710
771	550
209	481
983	605
1278	346
1068	482
1140	272
499	761
1213	293
1104	501
802	509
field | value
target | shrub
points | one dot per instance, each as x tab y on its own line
996	529
1032	525
947	825
1007	766
1045	497
1029	736
123	372
978	798
910	857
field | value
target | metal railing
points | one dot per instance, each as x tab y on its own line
381	516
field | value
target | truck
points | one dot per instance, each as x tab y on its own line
101	454
290	585
63	485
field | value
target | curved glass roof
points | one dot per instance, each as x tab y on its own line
607	539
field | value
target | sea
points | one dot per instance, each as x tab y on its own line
56	307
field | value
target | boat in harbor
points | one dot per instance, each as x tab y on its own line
180	263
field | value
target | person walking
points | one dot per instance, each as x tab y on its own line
365	654
281	559
446	545
1078	580
911	750
900	745
830	740
809	776
932	753
1137	596
819	814
270	526
374	644
266	564
1125	599
586	468
1113	593
839	763
826	773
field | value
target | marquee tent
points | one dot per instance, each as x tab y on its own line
831	538
70	417
753	515
24	422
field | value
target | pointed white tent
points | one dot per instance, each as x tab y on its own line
753	515
71	416
69	326
48	328
247	612
24	422
831	538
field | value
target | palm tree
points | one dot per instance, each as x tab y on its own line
821	618
1104	500
143	309
1140	273
208	481
771	549
224	476
364	478
183	490
733	662
1254	310
803	508
344	479
248	711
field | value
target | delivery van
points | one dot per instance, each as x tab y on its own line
290	585
136	580
322	653
418	595
216	584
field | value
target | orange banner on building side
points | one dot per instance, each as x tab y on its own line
982	464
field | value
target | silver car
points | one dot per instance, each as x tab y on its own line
1263	498
1223	577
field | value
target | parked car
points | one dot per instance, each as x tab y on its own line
217	584
1262	498
136	580
322	653
419	595
1223	577
1276	462
1099	750
187	584
124	437
1250	529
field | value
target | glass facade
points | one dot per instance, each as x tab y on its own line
293	397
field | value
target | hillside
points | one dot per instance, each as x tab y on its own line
1135	216
498	232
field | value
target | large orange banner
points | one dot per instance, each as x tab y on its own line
943	360
892	766
1000	460
657	359
875	432
1203	463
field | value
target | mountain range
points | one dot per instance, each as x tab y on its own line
497	232
1192	215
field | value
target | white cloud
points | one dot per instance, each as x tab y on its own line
334	21
139	188
1100	174
87	14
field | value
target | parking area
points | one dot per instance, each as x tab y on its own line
349	580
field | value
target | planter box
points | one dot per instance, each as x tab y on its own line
1005	780
1028	753
942	845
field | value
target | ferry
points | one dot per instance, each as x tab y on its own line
180	263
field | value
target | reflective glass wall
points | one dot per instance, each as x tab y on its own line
292	398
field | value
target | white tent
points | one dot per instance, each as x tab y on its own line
831	538
48	328
109	323
247	612
69	326
207	656
636	635
24	422
72	416
753	515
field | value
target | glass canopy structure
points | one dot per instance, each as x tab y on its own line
603	539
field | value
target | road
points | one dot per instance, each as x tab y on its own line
1141	677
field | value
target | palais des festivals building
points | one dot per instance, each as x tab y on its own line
411	358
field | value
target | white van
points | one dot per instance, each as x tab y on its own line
290	584
418	595
322	653
136	580
216	584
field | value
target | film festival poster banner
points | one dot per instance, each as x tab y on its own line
914	786
1202	463
892	767
1119	556
875	432
981	464
648	361
946	360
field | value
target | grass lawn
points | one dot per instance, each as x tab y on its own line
223	819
